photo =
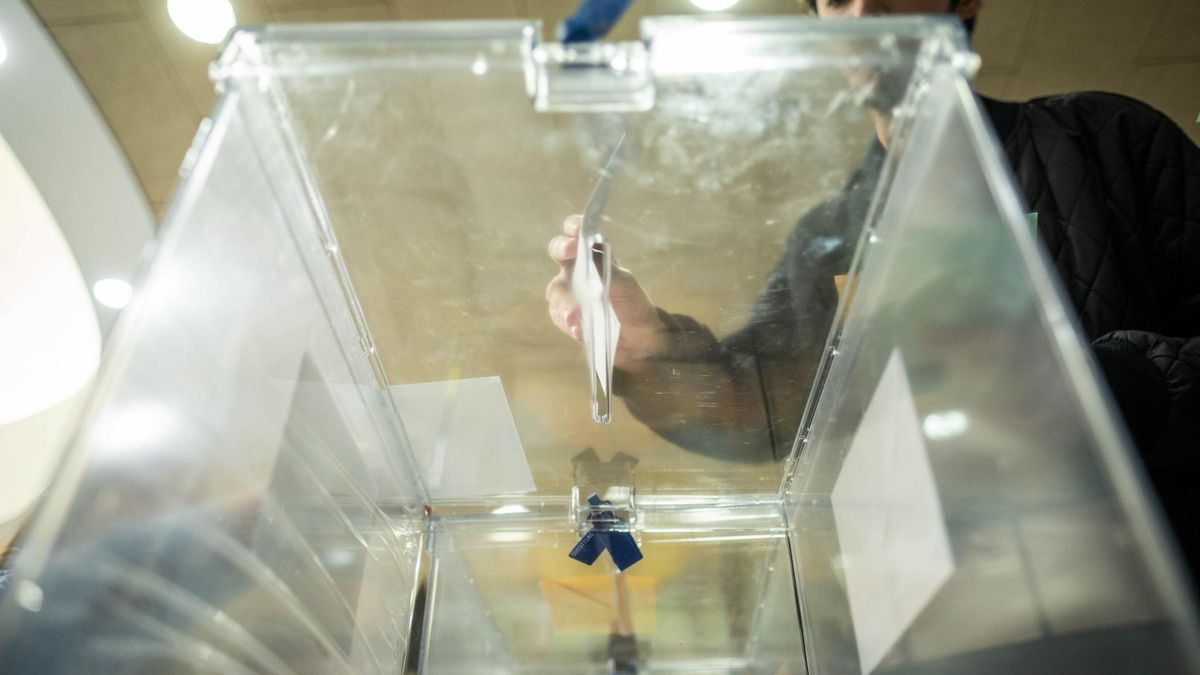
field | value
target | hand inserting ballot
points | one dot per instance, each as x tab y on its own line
643	333
669	370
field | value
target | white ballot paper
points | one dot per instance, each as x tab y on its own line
589	285
464	438
600	340
895	549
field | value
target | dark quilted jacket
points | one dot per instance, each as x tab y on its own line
1117	189
1116	186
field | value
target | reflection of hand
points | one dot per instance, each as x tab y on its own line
643	333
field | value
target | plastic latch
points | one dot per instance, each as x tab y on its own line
612	482
607	516
592	77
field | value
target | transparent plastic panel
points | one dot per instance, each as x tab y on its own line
446	158
261	479
715	597
963	502
460	631
218	510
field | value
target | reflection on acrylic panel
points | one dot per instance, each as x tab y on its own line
464	437
895	549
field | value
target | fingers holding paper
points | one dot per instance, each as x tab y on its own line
643	333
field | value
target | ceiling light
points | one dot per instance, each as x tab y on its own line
112	292
205	21
714	5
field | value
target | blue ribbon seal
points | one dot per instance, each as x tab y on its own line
621	545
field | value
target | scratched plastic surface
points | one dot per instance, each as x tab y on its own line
337	431
444	231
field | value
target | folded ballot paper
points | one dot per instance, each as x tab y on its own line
589	285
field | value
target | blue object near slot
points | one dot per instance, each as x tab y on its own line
621	545
592	20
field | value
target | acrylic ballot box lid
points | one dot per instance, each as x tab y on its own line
337	430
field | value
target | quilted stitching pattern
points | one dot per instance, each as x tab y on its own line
1117	189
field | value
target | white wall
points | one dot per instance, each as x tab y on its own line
71	214
57	134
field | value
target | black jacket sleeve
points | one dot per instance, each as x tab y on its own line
1155	381
762	374
741	397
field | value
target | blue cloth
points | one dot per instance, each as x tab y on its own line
592	20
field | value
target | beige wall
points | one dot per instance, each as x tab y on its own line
1147	49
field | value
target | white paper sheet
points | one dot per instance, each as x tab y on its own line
464	437
895	549
588	289
600	366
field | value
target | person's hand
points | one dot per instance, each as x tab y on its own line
643	333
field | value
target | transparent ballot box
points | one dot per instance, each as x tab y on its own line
825	410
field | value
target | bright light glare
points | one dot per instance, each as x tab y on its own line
479	66
30	596
510	508
3	50
112	292
945	424
509	537
205	21
137	426
714	5
340	557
